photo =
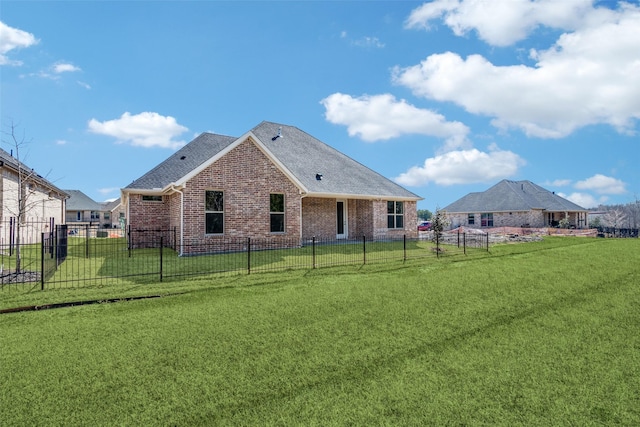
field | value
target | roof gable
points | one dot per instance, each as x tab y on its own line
7	159
313	166
513	196
183	162
78	201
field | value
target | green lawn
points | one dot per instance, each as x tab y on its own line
531	334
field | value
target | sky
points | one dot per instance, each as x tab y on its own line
445	97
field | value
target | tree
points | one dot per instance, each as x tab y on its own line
16	200
424	214
614	218
439	222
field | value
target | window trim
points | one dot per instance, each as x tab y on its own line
394	215
486	219
471	219
206	212
278	213
152	199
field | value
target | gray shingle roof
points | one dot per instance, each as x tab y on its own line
15	164
183	161
508	196
302	155
81	202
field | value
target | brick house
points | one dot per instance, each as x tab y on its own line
274	182
515	204
82	210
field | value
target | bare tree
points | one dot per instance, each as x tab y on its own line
614	218
16	200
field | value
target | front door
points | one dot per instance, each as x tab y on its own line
341	219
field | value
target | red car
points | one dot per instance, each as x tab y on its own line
424	226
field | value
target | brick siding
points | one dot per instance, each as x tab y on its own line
246	206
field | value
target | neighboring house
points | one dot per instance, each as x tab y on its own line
43	204
515	204
114	214
274	182
83	210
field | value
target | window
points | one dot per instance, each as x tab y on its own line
151	198
214	212
486	220
95	216
276	212
471	219
78	216
107	215
395	215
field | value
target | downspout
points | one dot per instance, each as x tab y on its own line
181	220
302	196
180	190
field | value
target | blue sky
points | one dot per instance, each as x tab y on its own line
444	97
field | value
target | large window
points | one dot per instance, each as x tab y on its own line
276	212
214	212
471	219
395	215
486	220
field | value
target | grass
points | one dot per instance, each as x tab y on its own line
532	334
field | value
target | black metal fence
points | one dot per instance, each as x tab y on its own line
72	259
20	247
618	232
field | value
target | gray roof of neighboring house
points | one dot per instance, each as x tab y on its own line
302	155
81	202
516	196
110	206
10	161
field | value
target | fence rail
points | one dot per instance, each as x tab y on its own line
84	259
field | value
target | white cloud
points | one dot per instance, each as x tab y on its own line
382	117
84	85
108	191
502	23
589	76
13	38
463	167
583	199
146	129
61	142
64	68
368	42
602	185
558	183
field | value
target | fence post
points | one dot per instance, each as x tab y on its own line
404	247
86	239
487	241
42	263
459	237
464	242
437	244
161	245
364	250
313	251
12	234
248	255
